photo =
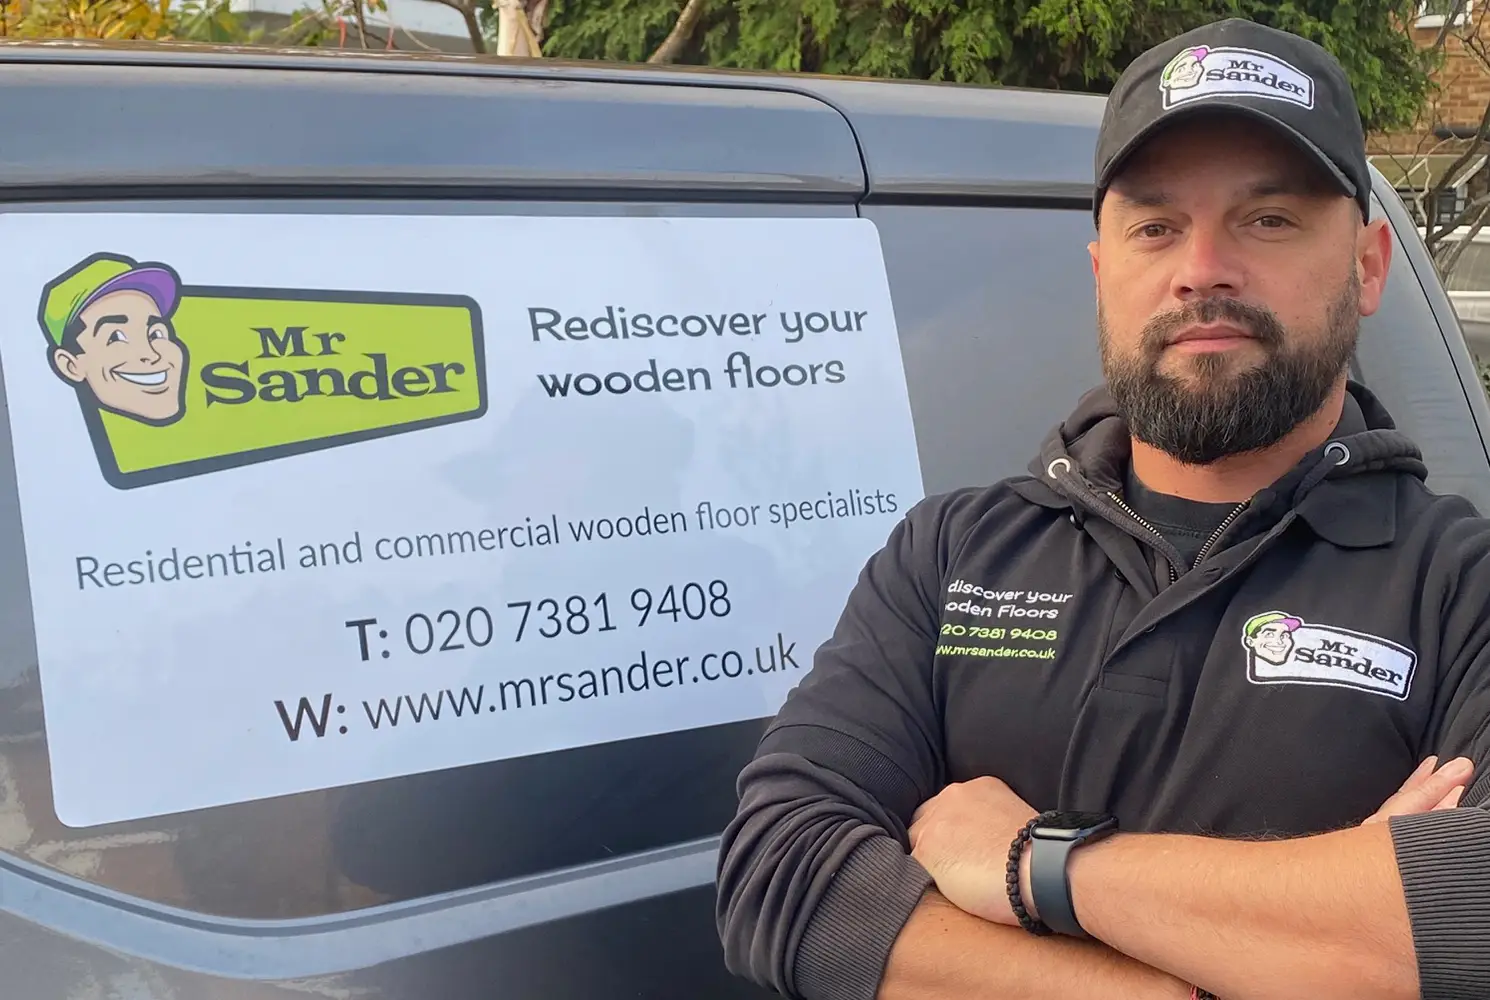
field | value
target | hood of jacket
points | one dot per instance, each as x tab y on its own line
1086	456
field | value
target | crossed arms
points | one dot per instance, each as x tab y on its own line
815	896
853	870
1316	917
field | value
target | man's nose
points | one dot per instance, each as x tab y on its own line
1209	264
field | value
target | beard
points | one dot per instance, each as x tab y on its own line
1215	411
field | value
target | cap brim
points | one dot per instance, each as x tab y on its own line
1222	107
156	282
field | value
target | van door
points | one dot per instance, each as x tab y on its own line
385	853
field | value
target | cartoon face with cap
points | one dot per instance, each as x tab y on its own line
1270	636
1184	70
108	321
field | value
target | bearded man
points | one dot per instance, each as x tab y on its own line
1196	706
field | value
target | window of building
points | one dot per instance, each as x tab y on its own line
1431	13
1472	272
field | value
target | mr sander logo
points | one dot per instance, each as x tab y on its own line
1284	649
177	380
1201	72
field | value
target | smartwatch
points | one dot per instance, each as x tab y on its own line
1051	844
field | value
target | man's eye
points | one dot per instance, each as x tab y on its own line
1153	230
156	333
1272	222
116	337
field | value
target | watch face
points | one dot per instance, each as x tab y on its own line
1072	824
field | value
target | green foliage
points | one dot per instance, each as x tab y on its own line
151	20
109	19
1050	44
213	21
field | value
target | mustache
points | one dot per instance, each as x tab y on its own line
1258	321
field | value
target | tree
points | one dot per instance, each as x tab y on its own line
337	23
677	40
151	20
1052	44
520	27
1449	156
111	19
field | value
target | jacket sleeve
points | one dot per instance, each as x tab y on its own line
1444	857
815	880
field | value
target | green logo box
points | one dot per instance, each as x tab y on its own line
270	373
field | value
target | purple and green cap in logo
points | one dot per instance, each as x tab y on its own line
103	274
1256	623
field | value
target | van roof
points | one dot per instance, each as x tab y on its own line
917	140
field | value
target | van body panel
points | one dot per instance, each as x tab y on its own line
585	873
225	126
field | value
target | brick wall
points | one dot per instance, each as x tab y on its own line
1463	90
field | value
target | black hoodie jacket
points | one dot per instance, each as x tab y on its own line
1334	632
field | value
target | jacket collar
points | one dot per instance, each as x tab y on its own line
1358	513
1345	490
1355	506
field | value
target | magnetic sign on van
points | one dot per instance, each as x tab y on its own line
644	478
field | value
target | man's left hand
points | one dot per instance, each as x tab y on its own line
962	835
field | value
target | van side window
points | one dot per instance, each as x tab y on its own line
998	327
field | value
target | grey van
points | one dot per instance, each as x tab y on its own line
586	873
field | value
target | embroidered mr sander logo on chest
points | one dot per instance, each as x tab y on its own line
1285	649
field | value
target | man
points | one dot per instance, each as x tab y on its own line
1222	613
108	326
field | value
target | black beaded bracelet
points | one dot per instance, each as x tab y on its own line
1011	878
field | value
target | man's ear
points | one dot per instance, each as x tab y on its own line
65	364
1094	252
1373	263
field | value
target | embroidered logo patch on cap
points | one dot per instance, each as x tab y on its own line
1284	649
1201	72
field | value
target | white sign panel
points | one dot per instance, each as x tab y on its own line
315	500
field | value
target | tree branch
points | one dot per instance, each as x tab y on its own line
1473	43
535	48
1448	24
538	23
672	46
1478	205
383	40
361	21
1476	146
1456	250
393	31
473	27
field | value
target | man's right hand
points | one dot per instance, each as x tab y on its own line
1427	790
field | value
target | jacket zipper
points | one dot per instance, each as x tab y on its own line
1173	576
1236	511
1220	530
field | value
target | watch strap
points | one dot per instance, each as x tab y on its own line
1011	878
1049	887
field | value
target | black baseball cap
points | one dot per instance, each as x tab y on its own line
1239	67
